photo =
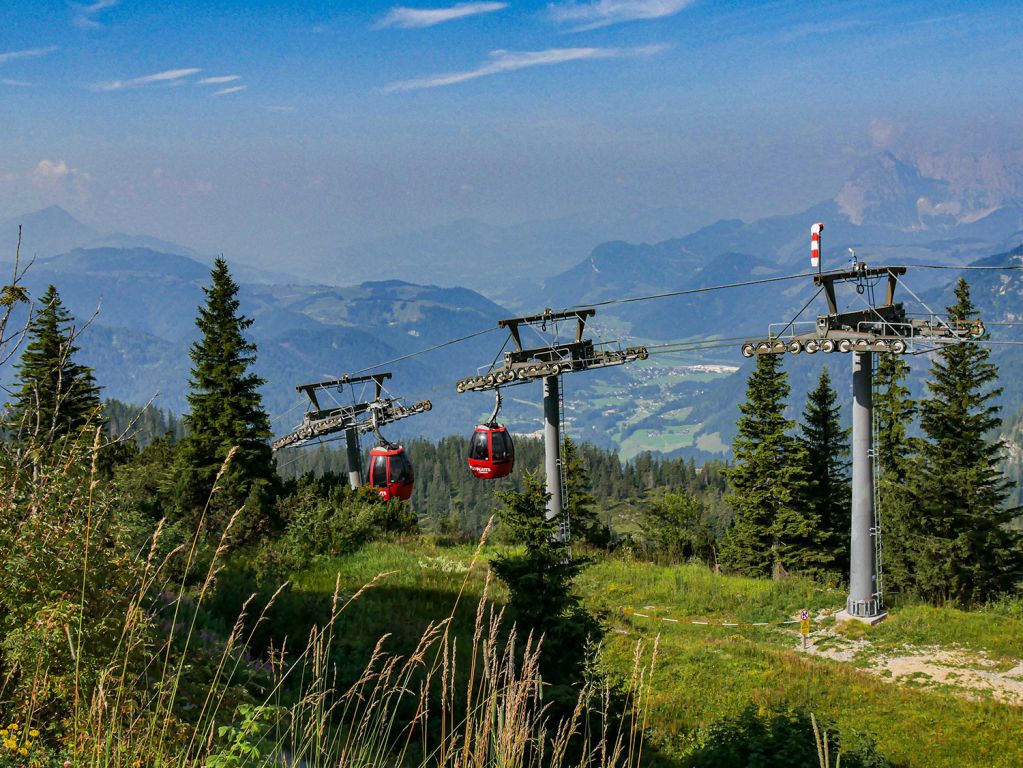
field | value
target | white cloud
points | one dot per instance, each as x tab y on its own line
280	108
412	18
14	83
509	61
235	89
603	13
29	53
85	14
53	174
168	77
219	79
48	169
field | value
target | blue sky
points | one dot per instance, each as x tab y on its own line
262	128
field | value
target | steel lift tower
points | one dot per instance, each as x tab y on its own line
879	327
548	363
354	419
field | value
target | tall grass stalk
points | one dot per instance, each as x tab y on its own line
439	704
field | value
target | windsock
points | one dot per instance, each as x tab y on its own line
815	244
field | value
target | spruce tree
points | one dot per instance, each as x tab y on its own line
826	447
965	550
539	581
773	531
894	413
226	412
58	396
580	506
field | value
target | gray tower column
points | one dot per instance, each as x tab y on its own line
354	458
552	444
864	601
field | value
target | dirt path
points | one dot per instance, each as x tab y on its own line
970	674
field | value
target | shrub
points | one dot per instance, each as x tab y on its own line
326	517
788	739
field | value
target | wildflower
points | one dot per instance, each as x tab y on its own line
33	733
22	751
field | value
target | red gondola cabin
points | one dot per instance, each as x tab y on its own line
390	472
491	452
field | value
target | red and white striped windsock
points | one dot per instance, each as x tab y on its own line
815	244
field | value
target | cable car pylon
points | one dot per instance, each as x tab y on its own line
549	363
878	327
353	419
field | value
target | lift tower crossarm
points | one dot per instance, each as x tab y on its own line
828	280
882	327
311	389
325	421
525	364
512	324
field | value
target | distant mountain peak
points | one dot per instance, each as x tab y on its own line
44	232
930	191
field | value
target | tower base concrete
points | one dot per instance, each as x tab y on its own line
870	621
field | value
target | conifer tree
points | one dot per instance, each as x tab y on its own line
773	531
826	447
226	412
58	396
579	503
539	581
964	550
894	412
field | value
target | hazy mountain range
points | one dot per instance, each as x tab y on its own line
926	210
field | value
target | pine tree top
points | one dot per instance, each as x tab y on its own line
224	397
58	395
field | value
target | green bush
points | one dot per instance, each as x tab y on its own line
785	739
70	603
323	516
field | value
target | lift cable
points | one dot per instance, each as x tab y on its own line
694	349
459	340
651	347
668	294
923	303
689	291
972	267
300	402
801	311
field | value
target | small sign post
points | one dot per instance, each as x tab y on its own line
804	625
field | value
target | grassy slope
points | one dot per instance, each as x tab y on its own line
705	673
709	672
